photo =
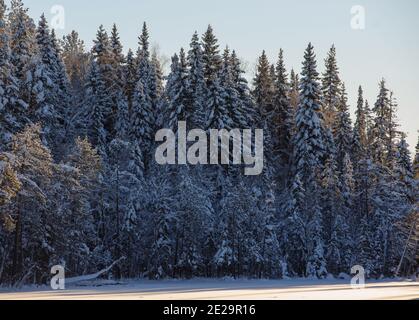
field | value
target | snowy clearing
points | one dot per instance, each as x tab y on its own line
223	290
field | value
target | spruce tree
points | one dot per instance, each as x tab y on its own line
233	107
96	103
379	131
177	92
360	137
308	153
283	115
247	115
263	85
343	130
22	32
294	91
416	163
142	110
158	74
12	107
404	169
210	55
33	230
392	124
75	59
196	82
130	76
331	88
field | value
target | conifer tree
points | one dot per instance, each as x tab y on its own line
263	85
308	153
331	88
416	163
232	104
9	188
75	59
210	55
143	110
360	137
177	92
391	145
97	102
158	73
130	76
196	82
283	115
379	131
343	130
22	38
12	107
403	168
33	238
294	91
247	116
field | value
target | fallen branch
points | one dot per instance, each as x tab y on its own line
93	276
22	281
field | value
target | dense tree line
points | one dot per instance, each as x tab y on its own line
79	185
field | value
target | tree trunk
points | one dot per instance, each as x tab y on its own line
17	258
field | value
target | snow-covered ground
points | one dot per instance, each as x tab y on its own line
223	290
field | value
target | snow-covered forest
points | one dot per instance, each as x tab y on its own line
79	185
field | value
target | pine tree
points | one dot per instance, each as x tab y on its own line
84	217
61	77
143	110
210	55
9	188
294	91
343	130
232	104
217	113
379	131
392	131
76	60
369	123
331	209
196	82
403	168
130	76
121	188
158	73
194	213
163	220
97	102
416	163
12	108
247	114
360	137
106	53
308	153
116	47
22	31
177	92
331	88
33	162
283	115
263	85
43	89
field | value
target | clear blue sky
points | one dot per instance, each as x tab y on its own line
388	47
